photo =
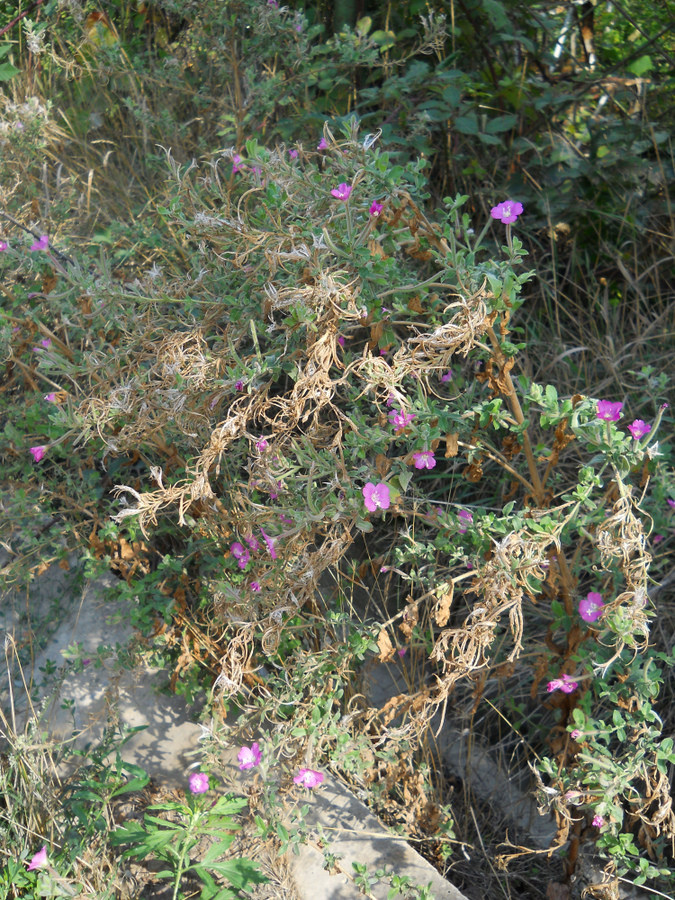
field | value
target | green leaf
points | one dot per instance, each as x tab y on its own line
383	39
501	123
364	25
467	124
7	71
641	65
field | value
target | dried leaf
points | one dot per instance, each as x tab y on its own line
442	608
451	445
382	464
385	646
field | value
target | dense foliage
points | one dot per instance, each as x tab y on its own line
280	350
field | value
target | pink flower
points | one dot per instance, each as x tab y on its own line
565	683
254	586
293	154
671	503
340	340
236	167
252	542
274	3
598	821
575	734
239	385
41	244
285	519
608	411
639	429
270	543
590	608
447	376
198	782
375	208
309	778
507	212
323	144
342	191
45	344
376	496
249	757
466	518
424	459
38	453
3	246
241	554
400	419
40	859
402	651
657	538
261	445
50	398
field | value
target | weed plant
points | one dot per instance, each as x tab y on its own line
294	373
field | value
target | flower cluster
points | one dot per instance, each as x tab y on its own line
565	683
250	758
400	419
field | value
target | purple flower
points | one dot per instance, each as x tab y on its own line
239	385
254	586
375	208
285	519
293	154
402	651
608	411
400	419
671	503
3	246
639	429
447	376
342	191
252	542
575	734
274	3
376	496
598	821
424	459
309	778
40	859
261	445
38	453
340	340
507	212
249	757
45	344
590	608
465	518
198	782
270	543
50	398
236	167
41	244
323	144
565	683
657	538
